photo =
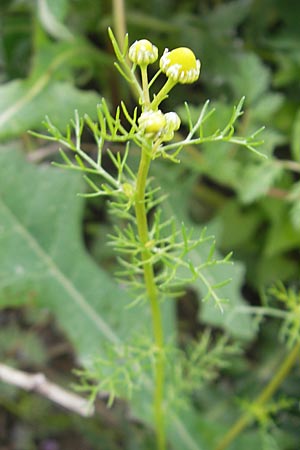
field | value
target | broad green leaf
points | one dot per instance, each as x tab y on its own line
266	271
256	180
188	437
249	77
282	236
224	17
266	106
43	262
49	14
287	71
24	106
24	103
42	251
272	139
239	225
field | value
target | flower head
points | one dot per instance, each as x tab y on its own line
143	52
172	124
172	121
159	125
180	65
152	122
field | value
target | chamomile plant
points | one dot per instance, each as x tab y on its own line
154	254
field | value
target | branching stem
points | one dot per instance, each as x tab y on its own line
264	396
152	292
163	93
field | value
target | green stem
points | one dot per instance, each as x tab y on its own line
264	396
159	369
119	21
145	84
163	93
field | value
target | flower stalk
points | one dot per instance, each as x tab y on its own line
157	127
152	293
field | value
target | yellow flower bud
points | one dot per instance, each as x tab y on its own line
143	52
152	122
180	65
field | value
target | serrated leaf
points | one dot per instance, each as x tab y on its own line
257	180
226	16
244	326
281	237
249	77
266	106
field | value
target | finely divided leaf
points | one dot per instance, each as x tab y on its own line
176	206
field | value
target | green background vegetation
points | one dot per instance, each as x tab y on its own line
57	293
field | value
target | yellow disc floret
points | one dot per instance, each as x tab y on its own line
143	52
180	65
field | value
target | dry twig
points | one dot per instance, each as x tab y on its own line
38	382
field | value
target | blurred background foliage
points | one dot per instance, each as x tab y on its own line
55	57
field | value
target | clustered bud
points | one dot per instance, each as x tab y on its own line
179	64
157	124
